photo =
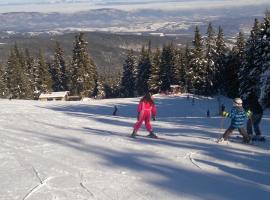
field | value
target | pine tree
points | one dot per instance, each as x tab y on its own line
83	69
58	70
176	65
198	65
112	85
100	88
211	57
128	82
231	82
166	68
143	71
183	75
265	59
249	72
16	76
2	83
44	81
29	68
154	80
233	64
221	52
188	69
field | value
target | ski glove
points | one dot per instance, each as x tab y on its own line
225	114
249	113
154	118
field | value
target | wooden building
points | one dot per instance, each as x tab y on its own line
176	89
54	96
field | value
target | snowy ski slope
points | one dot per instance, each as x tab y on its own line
79	151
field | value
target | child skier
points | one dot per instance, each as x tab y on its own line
146	110
238	116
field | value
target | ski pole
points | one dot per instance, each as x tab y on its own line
221	124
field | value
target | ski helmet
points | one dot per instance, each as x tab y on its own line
237	102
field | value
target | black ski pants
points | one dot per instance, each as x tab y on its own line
242	131
254	122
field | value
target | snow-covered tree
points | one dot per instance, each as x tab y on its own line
265	58
188	69
250	71
58	70
29	70
128	81
43	77
211	57
83	69
166	67
197	65
143	71
101	94
16	76
2	83
154	80
221	52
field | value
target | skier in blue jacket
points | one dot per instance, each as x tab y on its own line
238	116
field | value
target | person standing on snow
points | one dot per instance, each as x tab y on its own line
254	121
222	108
238	116
115	111
146	110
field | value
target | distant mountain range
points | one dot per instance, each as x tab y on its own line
146	21
36	30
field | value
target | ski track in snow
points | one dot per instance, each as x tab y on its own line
189	155
77	150
36	188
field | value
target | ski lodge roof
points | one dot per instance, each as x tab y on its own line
54	94
175	86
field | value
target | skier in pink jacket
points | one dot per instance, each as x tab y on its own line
146	110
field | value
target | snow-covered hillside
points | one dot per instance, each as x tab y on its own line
79	151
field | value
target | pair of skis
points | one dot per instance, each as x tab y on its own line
239	138
146	136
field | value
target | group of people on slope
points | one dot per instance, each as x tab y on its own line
253	112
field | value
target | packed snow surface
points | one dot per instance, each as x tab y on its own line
79	151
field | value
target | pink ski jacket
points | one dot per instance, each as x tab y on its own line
146	107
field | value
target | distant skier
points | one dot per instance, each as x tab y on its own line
10	97
146	110
254	121
222	108
115	110
238	116
208	113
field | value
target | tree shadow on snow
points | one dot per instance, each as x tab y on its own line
248	181
181	180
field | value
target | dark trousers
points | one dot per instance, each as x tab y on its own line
229	131
254	122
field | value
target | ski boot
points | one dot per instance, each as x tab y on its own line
134	134
247	140
152	135
222	140
258	138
